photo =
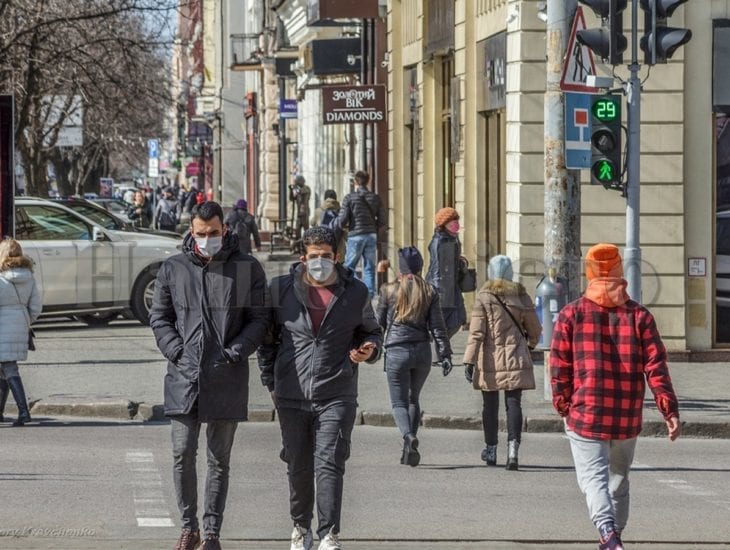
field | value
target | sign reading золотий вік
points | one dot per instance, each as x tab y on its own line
353	104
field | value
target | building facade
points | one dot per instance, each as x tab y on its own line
466	83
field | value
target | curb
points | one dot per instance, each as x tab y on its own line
144	412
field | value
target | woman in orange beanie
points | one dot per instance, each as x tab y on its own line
444	267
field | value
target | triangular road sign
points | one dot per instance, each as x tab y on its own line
578	63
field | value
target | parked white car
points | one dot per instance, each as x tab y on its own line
86	270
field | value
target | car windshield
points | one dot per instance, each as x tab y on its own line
98	215
44	223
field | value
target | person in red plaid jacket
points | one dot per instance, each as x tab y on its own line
604	347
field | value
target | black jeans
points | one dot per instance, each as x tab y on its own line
219	435
490	415
316	447
407	366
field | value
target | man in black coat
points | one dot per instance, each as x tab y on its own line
208	316
323	327
243	224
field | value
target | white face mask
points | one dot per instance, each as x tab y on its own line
320	269
209	246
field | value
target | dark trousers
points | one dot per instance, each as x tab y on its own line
219	436
316	447
490	415
407	366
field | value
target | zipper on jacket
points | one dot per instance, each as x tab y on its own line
314	361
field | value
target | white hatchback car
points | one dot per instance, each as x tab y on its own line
85	270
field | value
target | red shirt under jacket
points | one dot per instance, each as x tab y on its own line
599	359
319	299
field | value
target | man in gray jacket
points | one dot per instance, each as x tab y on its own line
323	327
208	316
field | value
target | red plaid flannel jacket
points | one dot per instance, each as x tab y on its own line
599	359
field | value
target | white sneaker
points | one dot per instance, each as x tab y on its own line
301	538
330	542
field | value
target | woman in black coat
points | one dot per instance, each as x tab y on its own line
443	270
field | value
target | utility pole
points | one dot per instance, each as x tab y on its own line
562	186
632	251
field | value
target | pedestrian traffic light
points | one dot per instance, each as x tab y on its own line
606	140
659	41
609	41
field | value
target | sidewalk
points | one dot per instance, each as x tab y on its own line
127	384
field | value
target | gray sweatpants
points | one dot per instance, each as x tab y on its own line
602	468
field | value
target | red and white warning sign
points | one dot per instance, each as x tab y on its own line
578	63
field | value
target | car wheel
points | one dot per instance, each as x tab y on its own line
99	319
142	293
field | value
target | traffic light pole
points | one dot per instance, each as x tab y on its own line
632	251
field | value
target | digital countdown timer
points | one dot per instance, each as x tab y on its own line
607	109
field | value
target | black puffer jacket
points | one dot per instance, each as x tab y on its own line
443	273
300	367
362	212
207	319
422	330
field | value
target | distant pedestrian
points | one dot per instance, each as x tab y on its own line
327	215
190	199
410	313
604	347
207	316
503	329
243	224
363	215
299	194
323	327
140	213
20	305
167	214
444	268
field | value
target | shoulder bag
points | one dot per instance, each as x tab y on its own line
518	325
467	278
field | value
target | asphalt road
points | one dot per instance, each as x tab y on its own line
86	484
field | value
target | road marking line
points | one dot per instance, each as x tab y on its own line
150	506
684	487
154	522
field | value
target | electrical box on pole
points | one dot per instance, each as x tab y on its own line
659	41
606	148
609	41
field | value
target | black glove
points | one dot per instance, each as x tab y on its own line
469	372
446	366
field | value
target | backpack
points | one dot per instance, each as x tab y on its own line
327	218
167	218
240	228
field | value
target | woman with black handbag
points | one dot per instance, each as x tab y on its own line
20	305
445	268
503	330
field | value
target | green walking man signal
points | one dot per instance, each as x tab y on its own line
606	150
605	172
